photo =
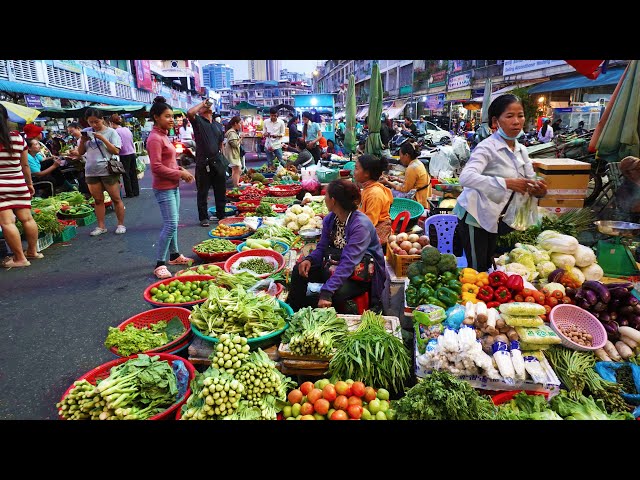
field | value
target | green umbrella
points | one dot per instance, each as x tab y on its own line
619	137
374	144
350	117
485	129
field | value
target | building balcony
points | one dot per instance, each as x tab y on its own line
488	71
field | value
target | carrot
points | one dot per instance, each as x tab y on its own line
552	301
530	299
518	298
557	294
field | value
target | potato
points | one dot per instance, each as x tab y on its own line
416	245
402	237
414	237
406	245
413	251
392	238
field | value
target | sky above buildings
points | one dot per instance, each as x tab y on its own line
240	67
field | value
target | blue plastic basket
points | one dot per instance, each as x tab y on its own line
401	204
283	246
229	210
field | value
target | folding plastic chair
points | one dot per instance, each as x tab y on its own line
445	226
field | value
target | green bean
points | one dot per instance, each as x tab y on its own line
215	245
257	265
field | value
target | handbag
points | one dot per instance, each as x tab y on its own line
114	165
362	272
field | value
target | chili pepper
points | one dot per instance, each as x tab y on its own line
497	279
482	279
502	294
454	285
470	288
469	297
485	294
493	304
514	282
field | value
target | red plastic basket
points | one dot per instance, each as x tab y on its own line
103	370
156	315
231	220
254	205
233	196
505	397
284	190
217	257
279	207
147	292
565	315
258	252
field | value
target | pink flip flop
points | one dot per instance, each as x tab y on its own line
162	272
181	260
9	263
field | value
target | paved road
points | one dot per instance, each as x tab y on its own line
54	315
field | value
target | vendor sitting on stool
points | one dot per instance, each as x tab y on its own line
348	257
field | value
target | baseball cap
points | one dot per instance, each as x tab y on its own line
32	130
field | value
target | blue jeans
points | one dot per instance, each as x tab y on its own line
276	153
169	202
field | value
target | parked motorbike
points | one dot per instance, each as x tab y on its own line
186	155
398	139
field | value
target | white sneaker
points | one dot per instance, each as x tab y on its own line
121	229
98	231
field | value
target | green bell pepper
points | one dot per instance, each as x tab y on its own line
455	285
430	279
447	296
416	281
412	296
425	291
446	276
436	302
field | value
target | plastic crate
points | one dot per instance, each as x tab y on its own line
87	220
326	177
67	234
400	263
45	241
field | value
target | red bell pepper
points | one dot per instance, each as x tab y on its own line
485	294
493	304
498	279
502	295
514	283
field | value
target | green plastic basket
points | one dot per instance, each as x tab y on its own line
67	234
326	177
349	166
87	220
401	204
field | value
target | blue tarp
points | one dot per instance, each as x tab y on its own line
9	86
611	77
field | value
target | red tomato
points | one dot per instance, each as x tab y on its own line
307	409
295	396
306	387
369	394
355	411
342	387
339	415
358	389
329	392
341	402
314	395
321	406
354	401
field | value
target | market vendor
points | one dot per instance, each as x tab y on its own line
348	257
376	198
628	193
45	169
498	168
305	158
415	176
332	149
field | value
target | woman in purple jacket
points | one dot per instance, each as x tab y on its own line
348	257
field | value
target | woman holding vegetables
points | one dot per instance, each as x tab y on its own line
498	168
166	176
348	257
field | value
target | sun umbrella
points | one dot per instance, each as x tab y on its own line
19	114
485	129
619	137
350	117
374	144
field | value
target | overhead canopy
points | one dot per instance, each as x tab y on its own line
396	108
9	86
611	77
362	112
340	115
245	106
137	110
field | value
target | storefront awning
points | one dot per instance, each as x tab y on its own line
396	109
611	77
362	112
9	86
499	92
340	115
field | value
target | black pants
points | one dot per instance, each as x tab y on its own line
204	181
315	151
130	177
298	297
479	246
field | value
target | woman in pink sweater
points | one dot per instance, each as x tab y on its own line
166	176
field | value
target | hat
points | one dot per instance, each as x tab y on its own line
31	130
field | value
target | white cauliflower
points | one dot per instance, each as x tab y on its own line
297	209
289	216
293	226
521	270
308	210
502	259
302	219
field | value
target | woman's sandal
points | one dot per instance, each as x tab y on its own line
181	260
37	255
162	272
10	263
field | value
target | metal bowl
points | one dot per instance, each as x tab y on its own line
615	228
310	234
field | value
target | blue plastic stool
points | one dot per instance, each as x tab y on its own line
445	229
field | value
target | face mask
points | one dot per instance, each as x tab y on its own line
506	137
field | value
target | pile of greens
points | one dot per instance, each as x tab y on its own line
237	311
134	390
584	408
279	200
280	234
315	331
371	355
441	396
135	340
528	407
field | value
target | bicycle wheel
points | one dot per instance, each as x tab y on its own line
593	188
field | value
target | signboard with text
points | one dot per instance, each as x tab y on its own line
143	75
438	79
434	102
459	81
33	101
67	65
458	95
513	67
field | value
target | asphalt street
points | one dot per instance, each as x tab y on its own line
54	315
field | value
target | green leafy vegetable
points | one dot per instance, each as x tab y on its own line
584	408
528	407
315	331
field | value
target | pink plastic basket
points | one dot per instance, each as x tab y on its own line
565	315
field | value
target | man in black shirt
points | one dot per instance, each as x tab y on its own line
410	126
385	136
210	168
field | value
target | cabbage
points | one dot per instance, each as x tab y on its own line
555	286
308	210
576	273
592	272
562	260
502	259
556	242
545	268
584	256
302	219
522	256
293	226
289	216
521	270
297	209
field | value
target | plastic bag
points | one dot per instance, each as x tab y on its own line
455	316
314	288
182	377
522	212
265	285
461	149
140	165
607	370
439	161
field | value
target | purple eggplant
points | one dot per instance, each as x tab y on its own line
615	304
583	304
624	322
600	307
626	310
590	296
599	288
604	317
613	316
636	309
632	300
570	292
556	275
611	328
621	293
625	285
634	321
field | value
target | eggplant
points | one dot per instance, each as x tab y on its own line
613	316
614	304
635	322
633	300
583	304
570	292
599	288
626	310
590	296
625	285
600	307
555	276
604	317
624	322
636	309
611	328
621	293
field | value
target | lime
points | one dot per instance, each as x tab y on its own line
203	295
162	287
154	290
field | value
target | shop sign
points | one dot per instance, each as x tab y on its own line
68	65
33	101
50	102
143	75
122	77
456	65
434	102
458	95
196	77
513	67
438	79
459	81
405	90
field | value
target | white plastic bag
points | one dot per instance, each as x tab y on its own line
522	212
443	160
461	149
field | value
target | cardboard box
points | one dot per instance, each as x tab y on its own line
556	202
565	177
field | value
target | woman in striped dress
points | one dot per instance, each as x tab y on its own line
16	189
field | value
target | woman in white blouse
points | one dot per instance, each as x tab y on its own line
545	134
